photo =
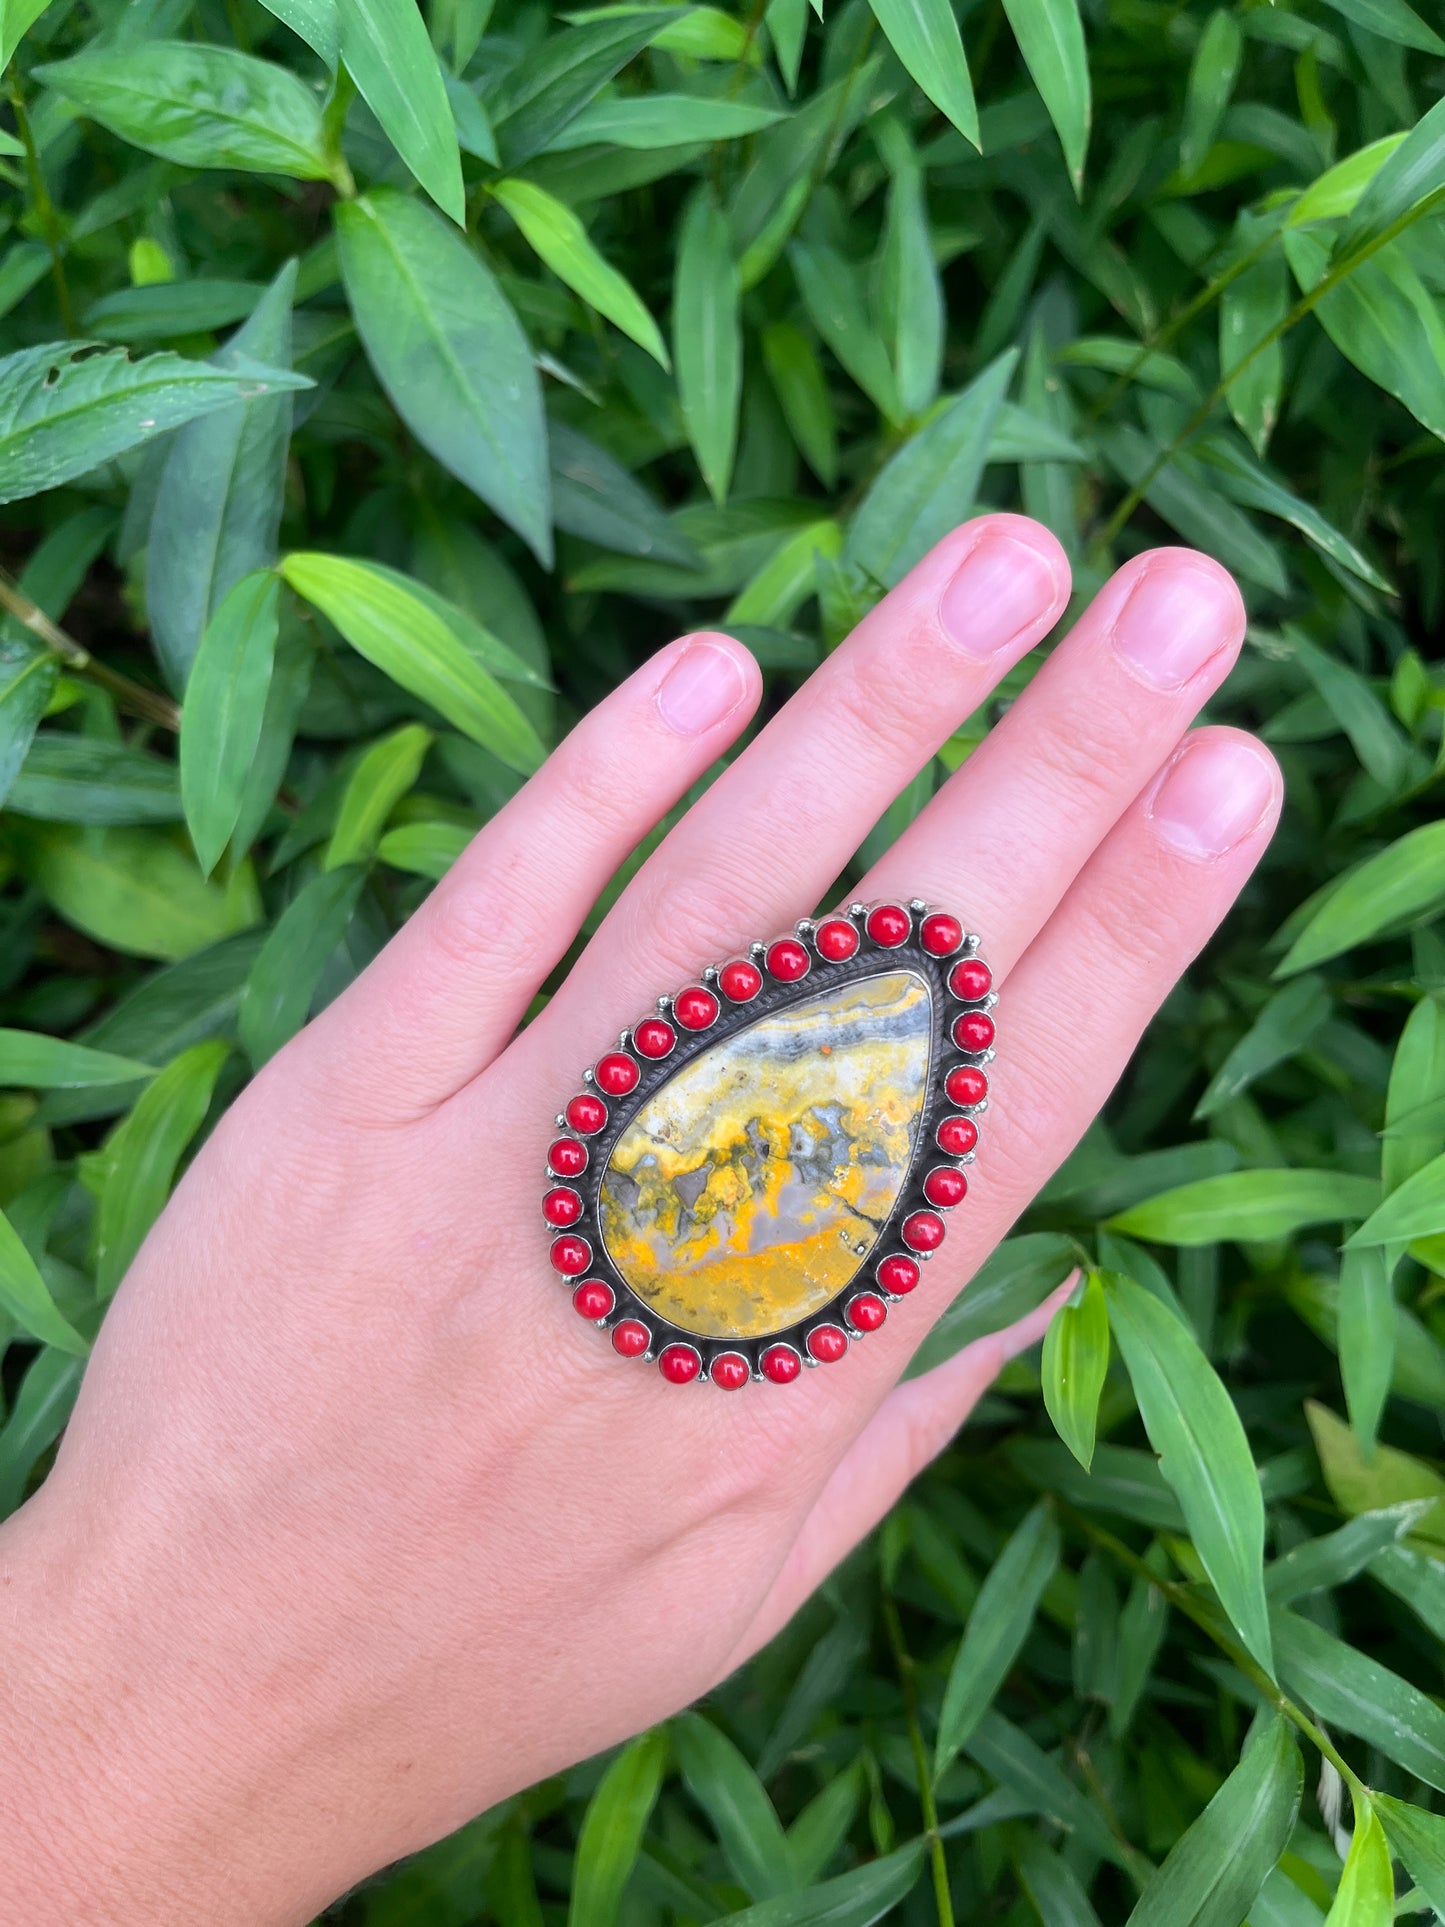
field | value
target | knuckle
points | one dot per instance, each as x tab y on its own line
492	910
881	706
682	917
1075	758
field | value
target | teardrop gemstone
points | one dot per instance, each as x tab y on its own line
751	1186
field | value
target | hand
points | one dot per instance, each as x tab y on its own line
357	1528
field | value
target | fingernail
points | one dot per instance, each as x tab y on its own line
1000	589
1211	796
701	687
1175	619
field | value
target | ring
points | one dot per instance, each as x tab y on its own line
759	1169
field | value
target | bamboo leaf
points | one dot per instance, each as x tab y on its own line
612	1829
224	707
1075	1362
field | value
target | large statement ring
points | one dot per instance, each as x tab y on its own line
757	1171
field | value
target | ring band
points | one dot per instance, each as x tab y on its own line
743	1186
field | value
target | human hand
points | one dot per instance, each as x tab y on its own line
356	1528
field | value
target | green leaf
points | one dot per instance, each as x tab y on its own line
199	106
25	1295
1378	741
595	497
386	50
1366	1339
1203	1453
1402	882
401	633
1320	1565
450	354
1419	1839
1212	75
84	779
28	674
1249	1207
1051	39
797	378
17	17
911	293
736	1802
1389	1477
424	849
831	291
1251	307
1415	1210
380	779
1000	1622
1054	1889
924	35
1410	175
283	981
857	1899
929	485
41	1408
554	82
1349	1690
32	1061
1383	318
1251	485
224	706
135	890
612	1829
1012	1282
141	1155
1008	1755
662	120
65	409
707	340
1075	1363
1216	1868
1286	1024
1338	189
218	508
557	236
1194	505
1392	20
315	21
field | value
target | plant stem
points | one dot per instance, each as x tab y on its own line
1307	303
44	206
134	696
904	1660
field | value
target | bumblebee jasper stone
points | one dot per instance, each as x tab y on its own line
752	1185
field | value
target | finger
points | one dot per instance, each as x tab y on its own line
1005	837
779	824
446	994
914	1423
1080	998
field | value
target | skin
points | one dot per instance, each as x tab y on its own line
357	1529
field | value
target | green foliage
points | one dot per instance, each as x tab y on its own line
377	384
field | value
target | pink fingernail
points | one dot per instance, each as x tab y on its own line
702	686
1176	618
1212	796
1001	588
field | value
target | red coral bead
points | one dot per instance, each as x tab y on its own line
788	960
739	981
957	1136
897	1274
616	1073
889	925
781	1364
570	1254
631	1338
679	1364
566	1157
654	1037
593	1298
695	1008
866	1312
974	1030
923	1231
945	1187
562	1206
940	934
966	1084
836	939
731	1371
970	979
586	1113
827	1343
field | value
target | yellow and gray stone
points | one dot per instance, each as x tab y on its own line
751	1186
